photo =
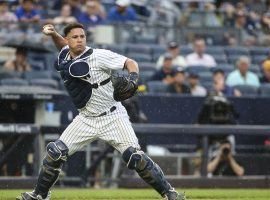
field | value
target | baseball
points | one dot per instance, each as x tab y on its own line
46	29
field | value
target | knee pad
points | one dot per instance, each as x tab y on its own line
135	159
57	153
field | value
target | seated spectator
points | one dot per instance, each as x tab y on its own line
219	86
140	7
266	72
65	16
75	8
174	50
179	86
199	57
92	15
265	27
246	28
122	12
166	73
224	163
5	14
195	88
19	63
27	12
242	76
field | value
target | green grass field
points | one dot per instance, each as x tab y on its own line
146	194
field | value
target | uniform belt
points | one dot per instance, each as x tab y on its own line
107	112
95	85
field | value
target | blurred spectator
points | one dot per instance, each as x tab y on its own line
199	57
19	63
5	14
65	16
266	72
195	87
224	163
174	50
164	13
166	73
242	76
265	27
179	86
93	14
27	12
219	86
140	7
211	19
247	29
75	8
122	12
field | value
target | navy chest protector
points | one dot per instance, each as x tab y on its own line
74	74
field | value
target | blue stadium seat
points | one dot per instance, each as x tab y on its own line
227	68
157	87
232	59
10	74
255	68
158	49
37	74
140	57
14	82
247	90
139	48
185	50
145	76
220	58
121	49
205	77
264	90
258	60
239	51
147	66
215	50
259	51
197	69
146	39
45	83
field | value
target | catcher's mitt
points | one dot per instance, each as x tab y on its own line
124	87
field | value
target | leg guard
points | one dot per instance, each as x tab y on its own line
56	155
148	170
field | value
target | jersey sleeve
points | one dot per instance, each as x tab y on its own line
110	60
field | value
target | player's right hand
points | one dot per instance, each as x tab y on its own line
48	29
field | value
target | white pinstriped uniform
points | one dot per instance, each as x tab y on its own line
114	127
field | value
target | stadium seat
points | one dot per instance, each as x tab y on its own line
140	57
247	90
147	66
14	82
157	87
258	60
220	58
205	77
37	74
146	76
185	50
215	50
259	51
239	51
146	39
139	48
255	69
227	68
10	74
264	90
197	69
121	49
45	83
232	59
158	49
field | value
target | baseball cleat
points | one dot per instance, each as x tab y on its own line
32	196
173	195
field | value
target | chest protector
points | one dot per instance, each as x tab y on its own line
74	73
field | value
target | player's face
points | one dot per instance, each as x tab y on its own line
76	41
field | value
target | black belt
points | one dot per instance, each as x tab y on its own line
105	113
95	85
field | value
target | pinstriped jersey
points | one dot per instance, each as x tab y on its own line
101	63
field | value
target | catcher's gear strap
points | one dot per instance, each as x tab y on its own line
147	169
95	85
